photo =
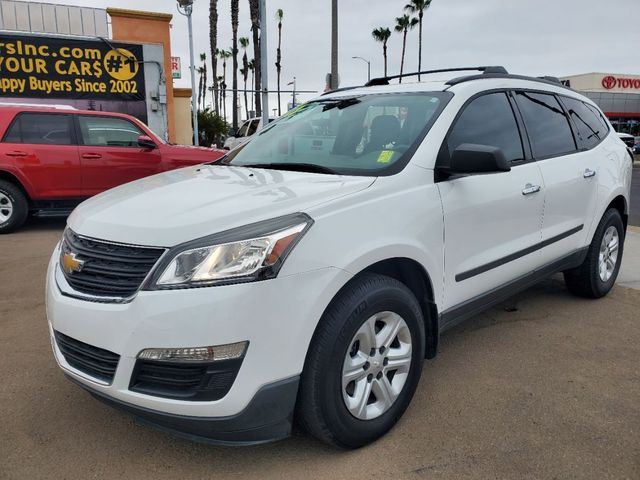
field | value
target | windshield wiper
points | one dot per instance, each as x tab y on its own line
294	167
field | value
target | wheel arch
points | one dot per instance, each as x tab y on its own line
620	203
10	177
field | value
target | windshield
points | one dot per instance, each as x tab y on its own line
360	135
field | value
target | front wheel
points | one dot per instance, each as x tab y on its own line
364	363
597	274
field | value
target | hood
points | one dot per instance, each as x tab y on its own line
181	205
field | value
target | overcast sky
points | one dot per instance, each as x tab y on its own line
536	37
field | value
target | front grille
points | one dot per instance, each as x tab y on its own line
108	269
95	362
183	380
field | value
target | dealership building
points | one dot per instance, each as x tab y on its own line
618	95
93	59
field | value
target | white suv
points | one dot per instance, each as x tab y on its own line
307	277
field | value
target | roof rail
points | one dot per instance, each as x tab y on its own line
37	105
546	80
485	69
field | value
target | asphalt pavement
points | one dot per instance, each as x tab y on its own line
545	386
634	208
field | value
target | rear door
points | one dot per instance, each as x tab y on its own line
492	221
569	169
43	147
110	155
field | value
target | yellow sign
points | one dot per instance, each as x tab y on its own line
121	64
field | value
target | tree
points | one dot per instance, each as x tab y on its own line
212	127
403	25
254	12
252	68
200	74
382	35
224	56
418	6
279	16
235	7
203	88
213	46
244	44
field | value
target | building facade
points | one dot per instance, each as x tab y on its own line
618	95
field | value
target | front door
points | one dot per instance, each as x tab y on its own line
110	155
492	221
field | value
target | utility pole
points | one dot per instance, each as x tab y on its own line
264	64
185	7
334	45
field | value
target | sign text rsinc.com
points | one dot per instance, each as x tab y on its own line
67	68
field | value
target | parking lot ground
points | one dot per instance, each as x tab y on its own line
546	386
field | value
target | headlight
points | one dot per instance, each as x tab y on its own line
257	254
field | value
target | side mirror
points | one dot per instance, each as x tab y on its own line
233	132
146	142
472	158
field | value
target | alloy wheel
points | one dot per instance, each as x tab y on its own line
376	365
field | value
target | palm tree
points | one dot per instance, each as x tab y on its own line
203	59
254	12
200	74
213	46
404	24
224	56
221	92
382	34
279	16
418	6
235	7
244	44
252	68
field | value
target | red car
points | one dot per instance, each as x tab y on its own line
51	158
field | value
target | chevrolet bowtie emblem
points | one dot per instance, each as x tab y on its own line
70	263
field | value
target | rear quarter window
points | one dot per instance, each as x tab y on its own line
589	127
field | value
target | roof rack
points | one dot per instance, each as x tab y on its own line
488	75
37	105
486	70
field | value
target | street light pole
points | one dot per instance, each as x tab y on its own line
368	66
264	64
335	81
185	7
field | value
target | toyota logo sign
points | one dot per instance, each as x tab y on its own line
610	82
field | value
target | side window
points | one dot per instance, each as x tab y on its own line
589	127
242	132
547	125
253	127
108	131
41	129
488	120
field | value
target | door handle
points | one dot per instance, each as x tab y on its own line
91	156
588	173
16	153
529	189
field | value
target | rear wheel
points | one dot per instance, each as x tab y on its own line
597	274
364	363
13	207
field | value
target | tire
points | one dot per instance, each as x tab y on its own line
322	401
587	279
16	207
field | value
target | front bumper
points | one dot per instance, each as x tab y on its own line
267	418
277	317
